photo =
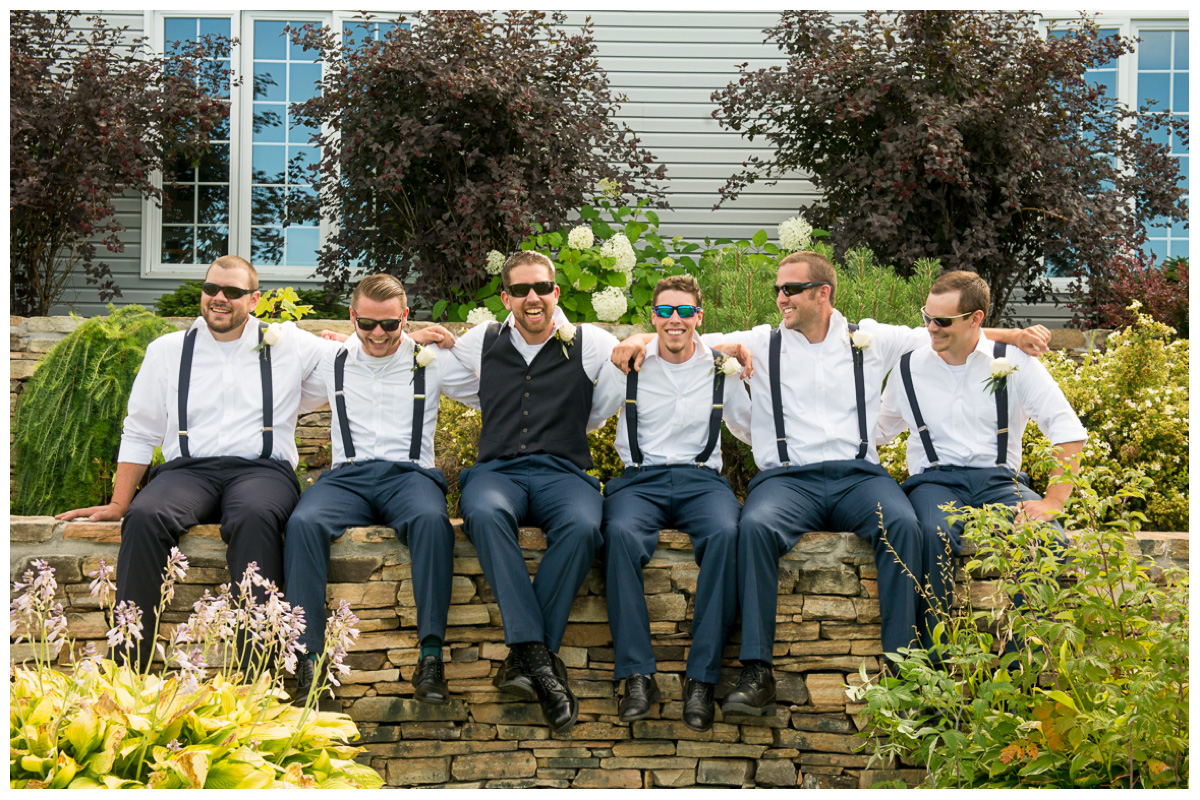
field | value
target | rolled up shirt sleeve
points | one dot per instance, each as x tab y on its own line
1047	405
145	426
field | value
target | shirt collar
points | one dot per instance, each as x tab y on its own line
702	351
249	336
354	346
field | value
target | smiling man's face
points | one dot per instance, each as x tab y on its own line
532	313
675	333
223	316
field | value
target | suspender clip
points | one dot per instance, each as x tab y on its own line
722	405
1002	430
418	397
183	433
630	400
267	429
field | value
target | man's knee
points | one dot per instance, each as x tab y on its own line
756	527
148	523
579	531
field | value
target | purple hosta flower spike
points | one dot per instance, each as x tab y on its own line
340	634
127	624
177	566
102	587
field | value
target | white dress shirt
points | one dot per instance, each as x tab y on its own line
959	410
379	400
225	403
598	344
820	414
674	403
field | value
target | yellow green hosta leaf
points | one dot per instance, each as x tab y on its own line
192	766
138	723
238	775
64	771
85	782
85	732
36	764
363	775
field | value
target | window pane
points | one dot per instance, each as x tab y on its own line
1105	78
299	133
1154	51
210	26
1179	103
302	246
1155	86
177	245
266	246
269	81
214	165
267	164
1181	50
268	122
211	244
212	205
179	204
268	40
305	82
178	29
1185	171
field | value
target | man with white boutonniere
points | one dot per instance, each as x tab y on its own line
669	437
383	389
221	399
815	399
967	398
542	384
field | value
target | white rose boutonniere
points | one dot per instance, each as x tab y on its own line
566	336
726	365
270	337
424	355
861	339
1001	369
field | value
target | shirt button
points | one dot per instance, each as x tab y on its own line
527	394
528	379
524	430
522	447
526	413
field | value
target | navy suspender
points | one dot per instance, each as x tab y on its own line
922	431
631	383
714	419
860	391
339	392
418	418
777	396
860	394
185	380
1001	410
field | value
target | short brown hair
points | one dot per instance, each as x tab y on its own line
819	269
237	262
380	288
974	294
521	259
678	283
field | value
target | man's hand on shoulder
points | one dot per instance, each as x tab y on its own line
333	336
1034	340
434	334
105	513
632	348
742	354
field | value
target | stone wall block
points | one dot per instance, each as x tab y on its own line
840	579
485	765
776	772
608	779
725	773
416	771
822	607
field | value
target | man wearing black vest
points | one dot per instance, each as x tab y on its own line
968	399
543	384
814	406
383	391
222	403
669	437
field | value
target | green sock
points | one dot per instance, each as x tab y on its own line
431	646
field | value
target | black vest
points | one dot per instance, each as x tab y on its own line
540	407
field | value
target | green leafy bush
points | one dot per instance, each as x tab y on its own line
209	721
67	425
185	302
1093	685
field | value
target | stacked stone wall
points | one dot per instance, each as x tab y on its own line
827	628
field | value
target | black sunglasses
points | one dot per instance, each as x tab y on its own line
790	289
230	292
665	312
389	325
543	288
942	322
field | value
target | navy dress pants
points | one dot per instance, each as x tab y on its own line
405	497
699	502
501	495
250	498
854	495
965	487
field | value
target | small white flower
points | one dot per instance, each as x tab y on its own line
619	248
1002	367
609	188
861	339
667	261
581	237
610	304
795	234
481	314
272	334
425	355
565	333
730	366
495	262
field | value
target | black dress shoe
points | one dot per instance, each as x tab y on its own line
430	681
559	706
698	707
305	672
754	694
512	677
641	692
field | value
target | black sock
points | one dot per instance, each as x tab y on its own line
431	646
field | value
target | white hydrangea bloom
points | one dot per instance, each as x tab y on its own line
581	237
495	262
610	304
481	314
618	247
795	234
